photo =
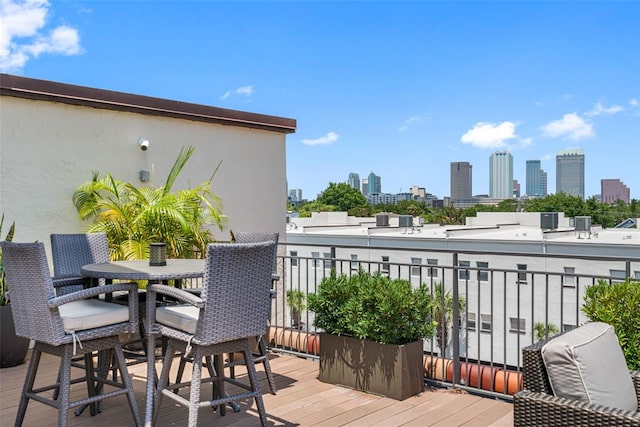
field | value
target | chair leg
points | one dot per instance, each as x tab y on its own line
91	382
28	385
163	380
255	386
65	386
126	379
267	367
194	396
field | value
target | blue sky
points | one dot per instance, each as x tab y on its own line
399	88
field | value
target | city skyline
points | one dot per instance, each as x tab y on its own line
399	88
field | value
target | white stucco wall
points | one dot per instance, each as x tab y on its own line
48	149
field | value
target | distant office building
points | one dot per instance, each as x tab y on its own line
501	175
461	180
570	172
365	186
374	183
354	180
295	195
516	188
419	193
536	179
613	190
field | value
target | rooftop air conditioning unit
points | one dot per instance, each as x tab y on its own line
405	221
382	220
583	223
549	220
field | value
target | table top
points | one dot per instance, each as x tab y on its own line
141	270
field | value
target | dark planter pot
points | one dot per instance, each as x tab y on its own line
394	371
13	349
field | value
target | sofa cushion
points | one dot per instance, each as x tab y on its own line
182	317
91	313
587	364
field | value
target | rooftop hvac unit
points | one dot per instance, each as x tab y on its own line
405	221
583	223
549	220
382	220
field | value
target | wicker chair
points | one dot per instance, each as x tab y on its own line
230	311
69	252
536	405
65	325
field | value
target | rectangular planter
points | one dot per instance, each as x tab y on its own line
394	371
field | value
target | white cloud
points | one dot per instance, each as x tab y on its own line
599	109
490	135
411	121
22	35
244	90
329	138
633	103
571	126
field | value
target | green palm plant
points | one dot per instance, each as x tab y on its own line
296	301
443	314
542	330
4	296
133	218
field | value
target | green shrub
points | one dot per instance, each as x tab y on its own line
373	307
618	304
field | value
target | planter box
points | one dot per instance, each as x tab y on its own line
394	371
13	349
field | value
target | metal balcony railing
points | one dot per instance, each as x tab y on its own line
499	310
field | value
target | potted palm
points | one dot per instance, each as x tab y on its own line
373	335
13	349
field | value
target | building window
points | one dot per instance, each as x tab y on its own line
567	327
636	275
618	275
327	260
415	267
485	323
432	271
294	258
463	274
517	325
315	262
522	274
483	276
569	278
471	321
355	265
385	265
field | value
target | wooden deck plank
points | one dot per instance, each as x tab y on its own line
302	400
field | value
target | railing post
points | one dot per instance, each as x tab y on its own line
455	323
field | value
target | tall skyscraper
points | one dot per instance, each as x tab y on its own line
354	180
612	190
461	180
365	186
536	179
295	195
375	183
570	172
501	175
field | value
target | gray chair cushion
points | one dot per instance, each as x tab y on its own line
182	317
587	364
91	313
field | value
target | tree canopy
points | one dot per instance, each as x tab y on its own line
342	196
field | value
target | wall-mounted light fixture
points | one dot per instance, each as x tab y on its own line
143	143
144	176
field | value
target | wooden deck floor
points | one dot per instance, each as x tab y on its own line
301	400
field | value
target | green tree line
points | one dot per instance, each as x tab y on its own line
341	197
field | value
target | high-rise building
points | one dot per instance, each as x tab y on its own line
613	190
570	172
375	183
516	188
501	175
536	179
354	180
295	195
461	180
365	186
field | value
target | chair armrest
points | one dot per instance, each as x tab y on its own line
92	292
540	409
179	294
